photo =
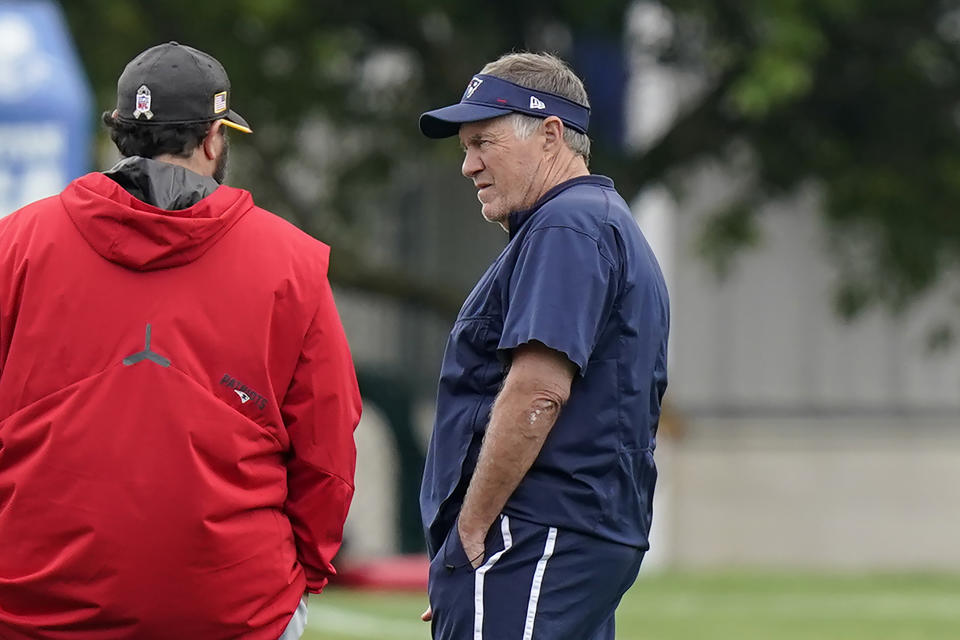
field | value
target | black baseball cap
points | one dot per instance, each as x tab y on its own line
175	84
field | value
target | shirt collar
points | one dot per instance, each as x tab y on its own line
517	219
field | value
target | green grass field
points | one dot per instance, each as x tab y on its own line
706	607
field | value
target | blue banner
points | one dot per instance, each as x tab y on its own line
45	104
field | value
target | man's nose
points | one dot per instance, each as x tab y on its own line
471	164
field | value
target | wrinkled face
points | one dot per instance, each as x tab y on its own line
504	168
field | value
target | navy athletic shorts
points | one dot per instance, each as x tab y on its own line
536	583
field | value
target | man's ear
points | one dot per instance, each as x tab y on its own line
552	132
213	141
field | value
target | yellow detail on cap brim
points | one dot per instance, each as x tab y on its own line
234	125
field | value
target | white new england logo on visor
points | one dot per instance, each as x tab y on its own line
476	82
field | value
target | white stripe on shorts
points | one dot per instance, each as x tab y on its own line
482	571
537	581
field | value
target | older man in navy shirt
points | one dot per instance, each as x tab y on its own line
538	485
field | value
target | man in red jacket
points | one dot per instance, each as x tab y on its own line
177	398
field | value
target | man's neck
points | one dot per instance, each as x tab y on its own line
565	167
575	167
562	169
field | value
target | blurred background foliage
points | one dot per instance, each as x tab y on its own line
856	99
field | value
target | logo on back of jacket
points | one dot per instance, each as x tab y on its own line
243	391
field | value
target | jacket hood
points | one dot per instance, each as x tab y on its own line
144	237
162	184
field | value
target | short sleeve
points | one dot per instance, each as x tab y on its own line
560	293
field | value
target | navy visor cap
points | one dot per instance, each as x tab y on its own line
489	97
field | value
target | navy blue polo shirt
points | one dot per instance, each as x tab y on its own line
578	276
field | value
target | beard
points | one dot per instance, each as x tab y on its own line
220	171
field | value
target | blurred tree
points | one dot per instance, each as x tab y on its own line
859	98
856	97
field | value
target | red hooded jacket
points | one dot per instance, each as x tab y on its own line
177	406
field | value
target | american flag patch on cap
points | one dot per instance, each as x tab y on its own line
220	102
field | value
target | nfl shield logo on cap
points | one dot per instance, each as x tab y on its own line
143	103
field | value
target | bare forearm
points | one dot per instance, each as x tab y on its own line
535	390
519	425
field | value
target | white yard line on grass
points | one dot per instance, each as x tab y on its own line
358	624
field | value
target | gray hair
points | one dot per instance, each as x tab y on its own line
543	72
